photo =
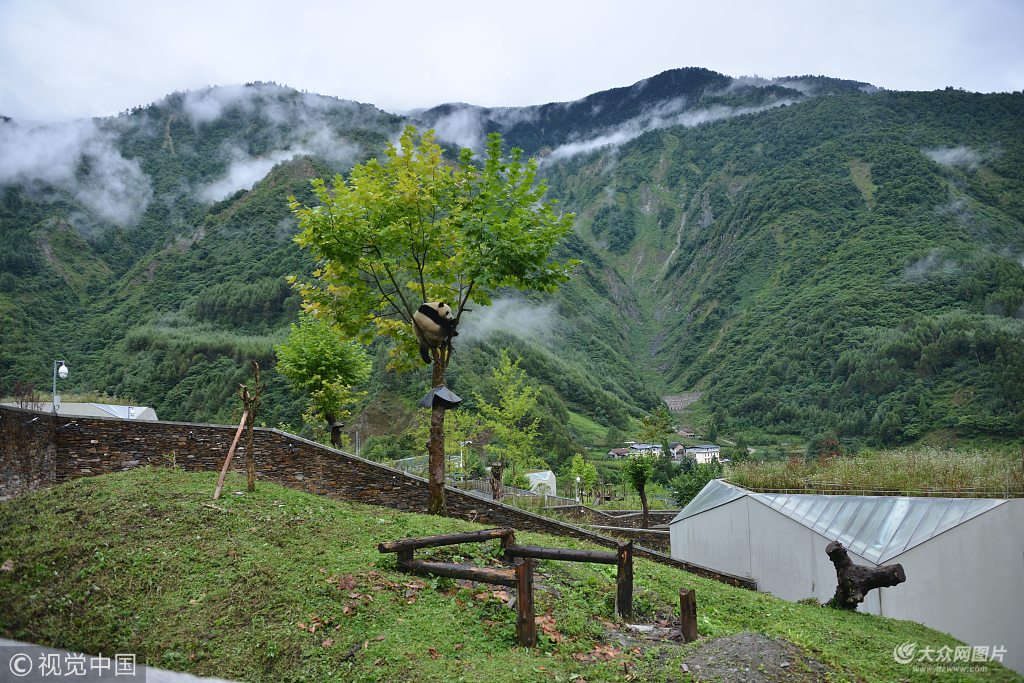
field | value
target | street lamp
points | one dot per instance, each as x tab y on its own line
579	495
62	372
462	465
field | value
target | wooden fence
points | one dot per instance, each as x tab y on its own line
520	576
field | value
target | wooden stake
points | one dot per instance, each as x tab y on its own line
526	623
624	581
688	614
231	454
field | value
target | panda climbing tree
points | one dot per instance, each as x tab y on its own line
406	244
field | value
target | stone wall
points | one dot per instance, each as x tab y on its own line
27	451
40	452
619	518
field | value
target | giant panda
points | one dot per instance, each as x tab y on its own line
433	324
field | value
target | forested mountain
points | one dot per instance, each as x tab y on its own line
813	254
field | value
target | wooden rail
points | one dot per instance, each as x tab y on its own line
500	577
622	558
521	575
444	539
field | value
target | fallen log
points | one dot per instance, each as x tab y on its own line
855	581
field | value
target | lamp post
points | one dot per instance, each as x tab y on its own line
462	463
61	371
578	492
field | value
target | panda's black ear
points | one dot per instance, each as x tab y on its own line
440	304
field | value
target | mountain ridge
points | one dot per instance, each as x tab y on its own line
704	205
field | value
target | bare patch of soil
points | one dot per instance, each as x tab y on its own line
753	658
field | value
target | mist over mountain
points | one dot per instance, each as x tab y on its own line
811	253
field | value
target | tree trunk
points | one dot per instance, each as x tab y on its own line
855	580
497	483
335	428
435	502
646	508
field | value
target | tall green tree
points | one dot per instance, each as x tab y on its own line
639	469
412	228
316	358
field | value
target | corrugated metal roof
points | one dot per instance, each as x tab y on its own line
716	492
877	528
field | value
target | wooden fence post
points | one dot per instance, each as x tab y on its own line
526	623
507	541
624	581
688	614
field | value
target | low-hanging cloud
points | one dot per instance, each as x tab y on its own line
512	316
463	127
932	264
664	115
955	156
300	123
79	158
244	172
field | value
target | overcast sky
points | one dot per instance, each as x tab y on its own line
62	59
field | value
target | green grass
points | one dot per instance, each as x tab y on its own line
587	431
279	585
919	470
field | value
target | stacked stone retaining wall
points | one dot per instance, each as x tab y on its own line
39	449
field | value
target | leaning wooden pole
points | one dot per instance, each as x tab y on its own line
231	454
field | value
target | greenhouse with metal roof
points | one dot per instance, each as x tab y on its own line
963	557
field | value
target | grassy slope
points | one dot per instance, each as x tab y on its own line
140	562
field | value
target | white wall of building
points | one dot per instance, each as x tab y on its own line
717	538
746	538
967	581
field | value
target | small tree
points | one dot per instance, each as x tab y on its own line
512	432
318	360
614	437
639	469
689	483
656	427
410	229
586	471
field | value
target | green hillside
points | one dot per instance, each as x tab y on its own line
811	254
280	585
850	263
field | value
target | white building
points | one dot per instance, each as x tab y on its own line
704	453
652	448
542	482
96	410
964	557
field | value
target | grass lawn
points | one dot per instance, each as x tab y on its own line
279	585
